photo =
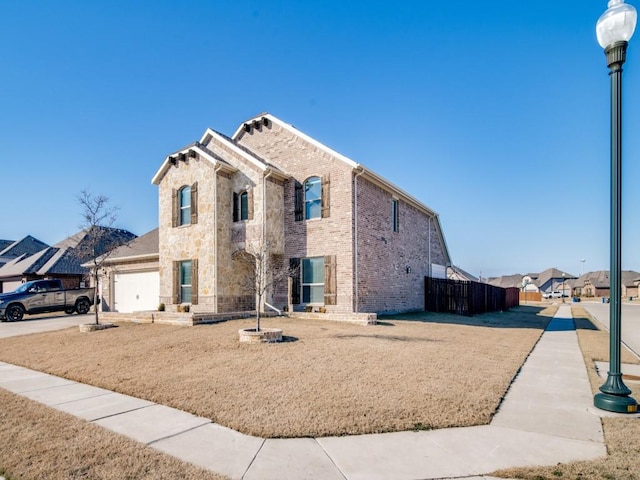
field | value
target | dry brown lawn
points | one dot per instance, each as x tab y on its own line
40	443
622	435
418	371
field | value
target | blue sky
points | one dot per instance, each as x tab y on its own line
494	114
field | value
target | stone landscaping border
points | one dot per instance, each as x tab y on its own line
92	327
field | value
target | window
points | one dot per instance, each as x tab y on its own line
184	197
244	206
395	216
185	205
185	281
312	198
313	280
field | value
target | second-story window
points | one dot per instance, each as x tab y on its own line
184	197
184	205
312	198
244	206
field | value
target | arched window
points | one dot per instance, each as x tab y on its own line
184	199
244	206
312	198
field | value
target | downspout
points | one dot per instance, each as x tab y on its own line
355	241
215	237
264	230
430	272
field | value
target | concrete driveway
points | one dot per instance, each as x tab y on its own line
42	323
630	321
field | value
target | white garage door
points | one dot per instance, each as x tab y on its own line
134	292
10	286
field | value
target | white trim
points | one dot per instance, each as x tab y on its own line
165	165
393	189
304	136
239	151
131	258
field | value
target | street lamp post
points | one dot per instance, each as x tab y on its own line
563	290
614	29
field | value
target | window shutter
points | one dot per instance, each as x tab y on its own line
176	283
325	196
330	286
236	207
194	281
194	203
174	208
299	202
250	204
294	266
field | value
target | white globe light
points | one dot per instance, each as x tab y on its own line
617	24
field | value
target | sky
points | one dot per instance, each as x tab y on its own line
493	114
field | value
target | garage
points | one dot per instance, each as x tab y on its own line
10	286
136	291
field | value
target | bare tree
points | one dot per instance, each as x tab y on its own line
263	271
101	237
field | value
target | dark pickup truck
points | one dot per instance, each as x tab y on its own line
40	296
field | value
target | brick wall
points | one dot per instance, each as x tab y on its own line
314	237
392	265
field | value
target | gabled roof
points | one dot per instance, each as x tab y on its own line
552	273
143	247
373	177
18	266
65	258
28	245
5	243
506	281
201	149
183	155
600	278
460	274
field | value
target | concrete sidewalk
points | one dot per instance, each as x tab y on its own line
546	418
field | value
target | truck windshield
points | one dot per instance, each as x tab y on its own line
23	288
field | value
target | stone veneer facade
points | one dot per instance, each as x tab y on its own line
271	157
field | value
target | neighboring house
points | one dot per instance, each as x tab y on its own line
63	260
10	250
549	280
507	281
4	244
456	273
356	242
597	284
553	279
130	280
13	252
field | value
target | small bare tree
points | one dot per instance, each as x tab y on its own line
263	272
101	237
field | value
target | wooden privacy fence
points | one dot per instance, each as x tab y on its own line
467	298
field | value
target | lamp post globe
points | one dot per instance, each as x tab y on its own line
614	29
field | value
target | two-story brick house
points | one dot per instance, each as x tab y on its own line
356	242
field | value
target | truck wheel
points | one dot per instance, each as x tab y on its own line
82	306
69	310
15	313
